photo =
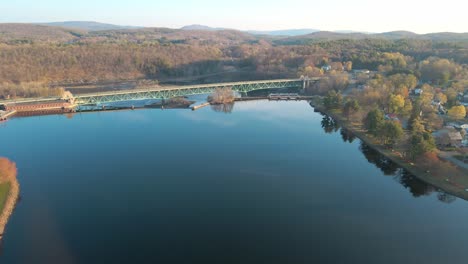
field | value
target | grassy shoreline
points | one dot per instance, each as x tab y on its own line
454	184
10	197
4	190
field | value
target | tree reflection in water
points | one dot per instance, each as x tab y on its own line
329	124
226	108
347	135
445	197
380	161
416	187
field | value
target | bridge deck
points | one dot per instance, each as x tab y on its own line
187	87
159	92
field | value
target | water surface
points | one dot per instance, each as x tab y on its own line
270	182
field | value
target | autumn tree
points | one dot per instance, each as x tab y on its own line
222	96
348	66
408	108
427	94
408	81
457	112
452	96
441	98
310	71
396	103
417	126
433	121
438	70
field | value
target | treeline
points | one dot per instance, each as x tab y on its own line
165	54
28	89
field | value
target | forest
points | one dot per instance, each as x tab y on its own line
37	60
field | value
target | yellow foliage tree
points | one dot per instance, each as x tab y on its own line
396	103
457	112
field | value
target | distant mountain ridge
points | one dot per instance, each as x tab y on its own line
32	32
393	35
87	25
70	31
284	32
201	27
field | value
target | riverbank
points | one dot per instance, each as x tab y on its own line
447	177
11	197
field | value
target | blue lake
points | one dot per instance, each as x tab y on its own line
268	182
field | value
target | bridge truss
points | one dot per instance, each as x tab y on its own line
165	93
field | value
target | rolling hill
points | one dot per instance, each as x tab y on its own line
30	32
87	25
285	32
98	32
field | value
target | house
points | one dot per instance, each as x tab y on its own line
361	71
392	117
465	140
454	125
455	139
326	68
418	91
448	137
442	110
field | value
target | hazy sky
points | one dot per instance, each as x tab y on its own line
362	15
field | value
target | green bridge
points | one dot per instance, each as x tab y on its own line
169	92
161	92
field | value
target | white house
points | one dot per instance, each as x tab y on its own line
418	91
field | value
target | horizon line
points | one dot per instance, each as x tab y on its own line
339	31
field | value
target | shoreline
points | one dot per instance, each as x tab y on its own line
442	182
9	207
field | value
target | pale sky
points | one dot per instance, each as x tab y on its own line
361	15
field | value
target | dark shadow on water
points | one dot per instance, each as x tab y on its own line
347	135
445	197
385	165
329	125
415	186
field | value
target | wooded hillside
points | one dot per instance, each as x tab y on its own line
43	56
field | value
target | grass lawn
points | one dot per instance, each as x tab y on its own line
4	188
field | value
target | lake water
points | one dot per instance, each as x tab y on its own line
269	182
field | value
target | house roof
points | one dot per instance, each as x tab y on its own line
455	136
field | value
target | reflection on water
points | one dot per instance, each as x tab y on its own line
267	183
225	108
415	186
329	124
385	165
347	135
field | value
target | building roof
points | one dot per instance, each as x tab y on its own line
455	136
